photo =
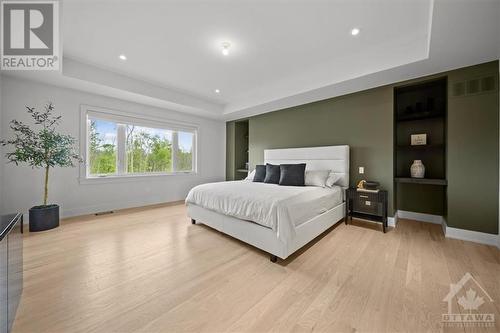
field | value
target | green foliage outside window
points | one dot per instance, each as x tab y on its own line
184	161
147	150
102	156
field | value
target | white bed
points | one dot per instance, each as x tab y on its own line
277	219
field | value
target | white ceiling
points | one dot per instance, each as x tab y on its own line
283	53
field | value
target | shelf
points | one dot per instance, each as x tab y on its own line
242	170
363	216
419	117
421	147
424	181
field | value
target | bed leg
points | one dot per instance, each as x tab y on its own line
193	221
274	258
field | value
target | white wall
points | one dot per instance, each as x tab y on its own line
1	152
22	187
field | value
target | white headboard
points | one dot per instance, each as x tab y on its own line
335	158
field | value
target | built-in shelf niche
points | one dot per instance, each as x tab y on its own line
420	109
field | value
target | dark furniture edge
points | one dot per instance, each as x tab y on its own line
6	227
427	181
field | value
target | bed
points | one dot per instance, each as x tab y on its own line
277	219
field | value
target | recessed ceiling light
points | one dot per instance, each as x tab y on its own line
217	91
225	48
355	31
123	57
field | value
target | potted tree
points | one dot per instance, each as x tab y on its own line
42	147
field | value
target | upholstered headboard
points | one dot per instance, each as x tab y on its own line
335	158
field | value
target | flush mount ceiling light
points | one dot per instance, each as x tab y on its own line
217	91
225	48
355	31
123	57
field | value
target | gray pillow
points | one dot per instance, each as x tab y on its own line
260	173
272	174
292	174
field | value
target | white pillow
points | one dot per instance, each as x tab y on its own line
316	177
332	179
250	175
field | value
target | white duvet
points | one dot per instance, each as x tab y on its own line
281	208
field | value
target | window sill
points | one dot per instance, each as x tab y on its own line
131	178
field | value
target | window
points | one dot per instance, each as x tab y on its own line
184	155
148	150
102	147
120	145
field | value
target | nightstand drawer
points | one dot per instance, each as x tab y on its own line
365	203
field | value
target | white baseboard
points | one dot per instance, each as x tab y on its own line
90	210
428	218
449	232
472	236
104	207
392	221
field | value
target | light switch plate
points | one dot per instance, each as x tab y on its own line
361	170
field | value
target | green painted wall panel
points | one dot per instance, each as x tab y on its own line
427	199
472	164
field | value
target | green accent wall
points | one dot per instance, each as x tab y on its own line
472	161
365	121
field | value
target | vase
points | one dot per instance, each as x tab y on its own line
417	169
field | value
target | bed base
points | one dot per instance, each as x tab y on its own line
265	238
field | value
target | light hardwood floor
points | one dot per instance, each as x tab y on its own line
151	270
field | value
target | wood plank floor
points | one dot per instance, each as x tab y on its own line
150	270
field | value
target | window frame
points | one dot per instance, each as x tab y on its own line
120	118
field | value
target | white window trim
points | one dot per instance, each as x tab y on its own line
141	120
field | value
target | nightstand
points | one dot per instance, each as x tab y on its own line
367	205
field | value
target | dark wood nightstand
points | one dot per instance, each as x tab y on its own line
367	205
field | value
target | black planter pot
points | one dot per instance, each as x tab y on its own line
44	218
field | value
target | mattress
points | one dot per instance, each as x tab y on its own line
281	208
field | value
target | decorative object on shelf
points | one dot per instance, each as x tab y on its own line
368	185
371	185
361	184
42	147
417	169
418	139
